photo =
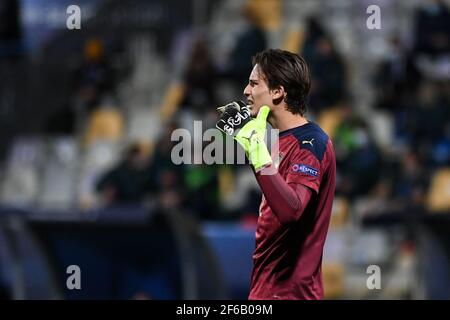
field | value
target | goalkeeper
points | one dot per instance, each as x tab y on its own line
297	183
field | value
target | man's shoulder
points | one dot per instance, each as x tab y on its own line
310	137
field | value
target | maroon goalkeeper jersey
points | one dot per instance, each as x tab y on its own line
288	256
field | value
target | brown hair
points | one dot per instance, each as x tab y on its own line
284	68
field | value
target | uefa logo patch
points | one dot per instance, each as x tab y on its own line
305	169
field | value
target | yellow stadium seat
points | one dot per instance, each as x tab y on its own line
293	41
226	182
330	119
104	124
172	100
267	13
439	193
333	280
339	213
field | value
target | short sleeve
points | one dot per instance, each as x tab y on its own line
304	168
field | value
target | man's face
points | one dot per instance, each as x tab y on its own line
257	92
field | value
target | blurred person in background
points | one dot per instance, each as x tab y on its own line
328	73
431	29
249	41
357	156
129	181
166	178
410	182
431	43
297	183
202	191
426	119
199	88
396	78
199	79
93	77
194	89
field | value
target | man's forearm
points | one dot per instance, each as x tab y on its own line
287	201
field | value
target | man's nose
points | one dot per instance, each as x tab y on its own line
247	91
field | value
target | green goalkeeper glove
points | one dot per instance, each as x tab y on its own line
235	121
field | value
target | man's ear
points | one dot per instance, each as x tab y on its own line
278	93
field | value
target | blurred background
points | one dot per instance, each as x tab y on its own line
86	117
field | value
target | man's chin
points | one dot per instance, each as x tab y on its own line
253	111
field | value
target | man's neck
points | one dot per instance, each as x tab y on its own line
286	120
